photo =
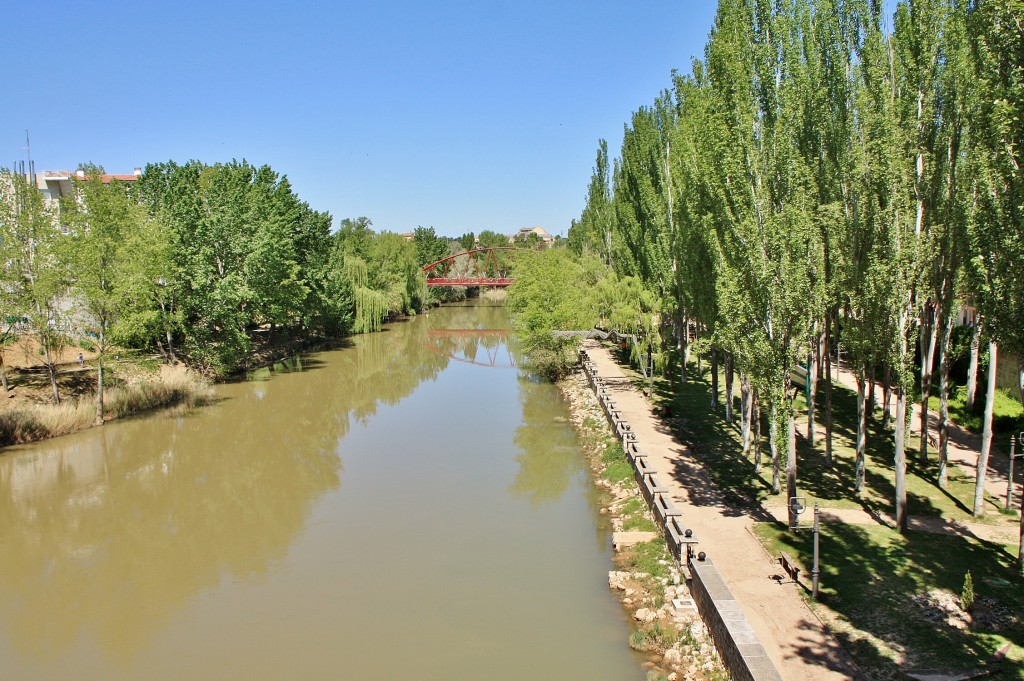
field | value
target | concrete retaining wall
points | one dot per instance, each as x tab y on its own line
736	641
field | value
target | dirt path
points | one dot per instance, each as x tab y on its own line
796	641
998	534
964	446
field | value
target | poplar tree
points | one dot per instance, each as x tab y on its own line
997	225
100	218
592	234
36	266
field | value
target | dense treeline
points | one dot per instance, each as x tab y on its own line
197	261
818	179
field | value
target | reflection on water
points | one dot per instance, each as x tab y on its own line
227	533
550	454
105	535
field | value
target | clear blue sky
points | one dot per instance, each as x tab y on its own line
461	115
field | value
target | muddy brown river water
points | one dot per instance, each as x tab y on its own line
410	505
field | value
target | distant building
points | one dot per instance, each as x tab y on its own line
525	232
54	185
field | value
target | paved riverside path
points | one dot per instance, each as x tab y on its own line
795	640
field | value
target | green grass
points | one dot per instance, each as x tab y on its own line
650	557
635	517
1007	412
617	469
869	576
653	636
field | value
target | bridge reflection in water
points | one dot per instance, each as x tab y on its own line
465	345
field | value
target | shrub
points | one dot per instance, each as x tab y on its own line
967	593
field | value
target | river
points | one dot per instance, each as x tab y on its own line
409	505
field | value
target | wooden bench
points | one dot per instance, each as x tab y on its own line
791	568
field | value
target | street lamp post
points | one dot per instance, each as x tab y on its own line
797	506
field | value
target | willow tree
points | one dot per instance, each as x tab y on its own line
553	290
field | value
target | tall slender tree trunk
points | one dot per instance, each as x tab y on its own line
860	463
687	347
682	344
3	372
700	357
947	331
99	377
887	398
1020	545
872	383
791	458
755	414
986	435
51	369
714	379
746	404
1020	379
929	334
972	367
828	392
900	460
773	445
170	348
812	384
729	376
167	332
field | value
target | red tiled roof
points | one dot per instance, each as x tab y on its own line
106	178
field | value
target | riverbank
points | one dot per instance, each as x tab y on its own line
32	420
134	384
666	629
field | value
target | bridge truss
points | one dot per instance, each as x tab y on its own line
476	267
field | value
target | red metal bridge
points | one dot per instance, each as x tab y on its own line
476	267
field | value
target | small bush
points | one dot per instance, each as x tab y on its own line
967	593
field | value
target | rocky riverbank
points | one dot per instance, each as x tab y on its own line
666	628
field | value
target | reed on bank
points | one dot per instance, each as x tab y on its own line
40	421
